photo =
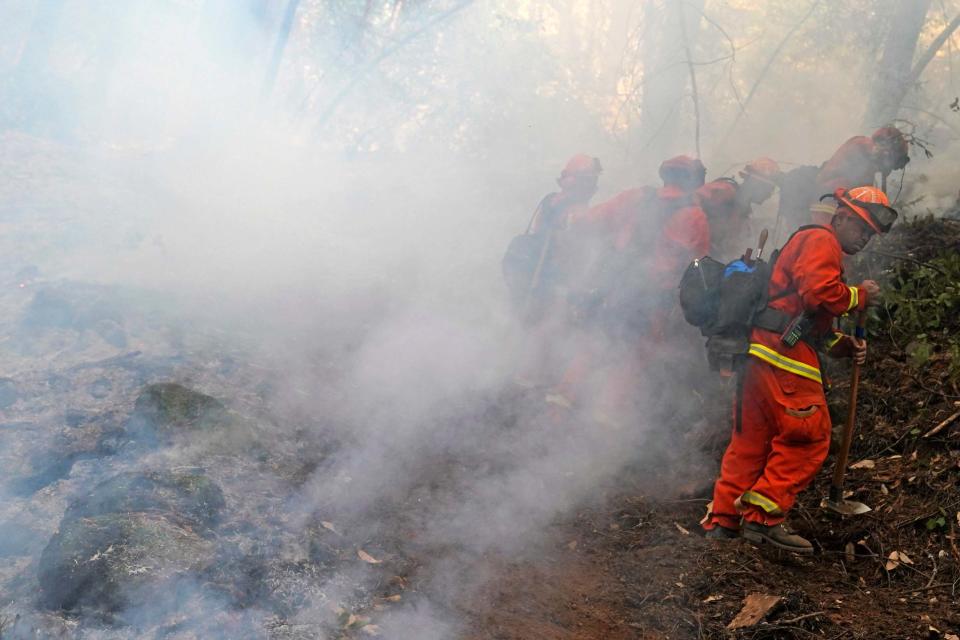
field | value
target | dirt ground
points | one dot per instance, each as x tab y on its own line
638	566
644	571
631	563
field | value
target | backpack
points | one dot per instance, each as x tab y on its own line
526	265
722	300
620	289
725	301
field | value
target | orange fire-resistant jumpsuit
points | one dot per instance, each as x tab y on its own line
783	433
853	165
685	236
541	359
682	233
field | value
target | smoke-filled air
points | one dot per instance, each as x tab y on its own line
479	320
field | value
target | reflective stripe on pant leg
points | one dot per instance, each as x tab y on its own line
797	453
746	455
759	500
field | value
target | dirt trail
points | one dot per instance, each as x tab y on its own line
647	572
644	571
571	594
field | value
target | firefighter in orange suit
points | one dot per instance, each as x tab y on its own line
857	162
538	286
782	427
578	183
636	211
622	233
642	305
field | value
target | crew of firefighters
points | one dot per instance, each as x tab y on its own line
596	290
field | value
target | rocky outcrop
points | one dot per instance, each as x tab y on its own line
131	535
169	407
188	497
108	561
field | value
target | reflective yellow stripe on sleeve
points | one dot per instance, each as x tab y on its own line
832	342
770	356
854	298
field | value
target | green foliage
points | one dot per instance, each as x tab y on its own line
926	298
919	351
953	368
923	305
938	522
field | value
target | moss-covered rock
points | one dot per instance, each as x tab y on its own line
108	561
169	407
185	496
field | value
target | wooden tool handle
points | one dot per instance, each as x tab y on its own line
844	454
763	242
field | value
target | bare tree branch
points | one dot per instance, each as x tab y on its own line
277	55
693	77
334	104
931	51
733	51
766	69
931	115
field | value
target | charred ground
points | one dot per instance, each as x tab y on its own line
111	436
640	568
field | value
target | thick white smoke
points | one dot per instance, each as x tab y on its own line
344	228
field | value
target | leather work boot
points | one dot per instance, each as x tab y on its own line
722	533
778	536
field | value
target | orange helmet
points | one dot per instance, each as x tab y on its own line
580	175
581	165
765	169
717	197
892	143
871	204
683	171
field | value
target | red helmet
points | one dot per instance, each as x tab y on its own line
765	169
581	165
717	198
870	204
683	171
580	175
891	143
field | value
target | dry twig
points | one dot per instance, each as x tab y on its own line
803	617
943	425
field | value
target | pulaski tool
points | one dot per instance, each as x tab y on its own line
834	501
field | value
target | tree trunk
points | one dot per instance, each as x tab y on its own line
893	76
276	56
666	74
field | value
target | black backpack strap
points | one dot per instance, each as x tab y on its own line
773	262
542	209
772	320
